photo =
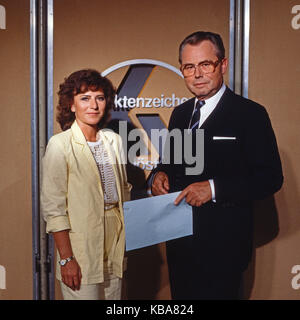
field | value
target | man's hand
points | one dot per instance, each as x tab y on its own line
71	274
160	184
195	194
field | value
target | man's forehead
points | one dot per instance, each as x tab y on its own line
202	51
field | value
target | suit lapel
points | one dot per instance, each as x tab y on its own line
215	117
217	114
184	117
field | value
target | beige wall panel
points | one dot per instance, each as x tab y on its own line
15	160
99	34
274	82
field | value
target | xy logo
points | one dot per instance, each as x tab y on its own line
139	112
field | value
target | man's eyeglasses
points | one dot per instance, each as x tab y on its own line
207	66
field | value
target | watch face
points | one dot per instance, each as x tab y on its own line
63	262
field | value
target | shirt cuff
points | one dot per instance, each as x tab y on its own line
149	183
212	187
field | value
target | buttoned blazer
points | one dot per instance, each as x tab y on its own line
72	197
242	158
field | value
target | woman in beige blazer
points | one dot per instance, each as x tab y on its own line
84	185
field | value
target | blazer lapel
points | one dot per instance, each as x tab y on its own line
108	141
112	153
81	142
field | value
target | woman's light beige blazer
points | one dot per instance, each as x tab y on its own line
72	197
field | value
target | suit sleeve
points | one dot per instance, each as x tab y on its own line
262	175
55	187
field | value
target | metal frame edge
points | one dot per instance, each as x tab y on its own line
34	147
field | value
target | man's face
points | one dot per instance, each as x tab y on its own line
203	86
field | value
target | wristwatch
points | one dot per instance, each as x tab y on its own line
63	262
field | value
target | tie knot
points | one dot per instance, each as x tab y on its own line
199	104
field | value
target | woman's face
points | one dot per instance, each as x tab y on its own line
89	107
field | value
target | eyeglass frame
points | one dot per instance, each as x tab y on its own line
215	64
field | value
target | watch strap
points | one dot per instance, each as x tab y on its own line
63	262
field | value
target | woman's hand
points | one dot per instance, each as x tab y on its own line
71	274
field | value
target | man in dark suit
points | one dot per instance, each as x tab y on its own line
241	164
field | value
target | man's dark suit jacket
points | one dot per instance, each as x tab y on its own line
243	170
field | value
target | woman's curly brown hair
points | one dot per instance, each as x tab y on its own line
80	82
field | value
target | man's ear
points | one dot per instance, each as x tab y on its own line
224	65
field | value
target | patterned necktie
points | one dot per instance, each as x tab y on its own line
196	115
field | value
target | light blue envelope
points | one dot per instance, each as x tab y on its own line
156	219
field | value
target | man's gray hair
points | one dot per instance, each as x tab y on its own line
198	37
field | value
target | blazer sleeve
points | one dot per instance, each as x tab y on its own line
55	187
263	175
